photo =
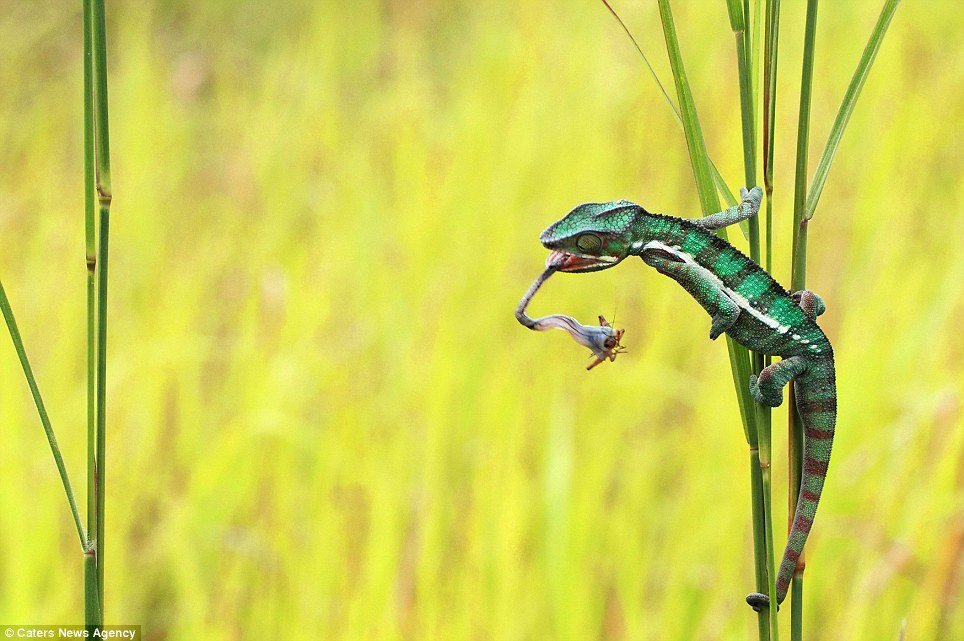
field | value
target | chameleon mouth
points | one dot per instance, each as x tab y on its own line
565	262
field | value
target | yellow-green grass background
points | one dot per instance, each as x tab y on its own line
324	421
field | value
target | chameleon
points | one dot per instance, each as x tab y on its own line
743	301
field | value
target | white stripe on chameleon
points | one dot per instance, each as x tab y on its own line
736	297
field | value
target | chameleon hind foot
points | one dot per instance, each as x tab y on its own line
811	304
765	394
767	388
758	601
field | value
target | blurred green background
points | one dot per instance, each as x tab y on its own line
324	421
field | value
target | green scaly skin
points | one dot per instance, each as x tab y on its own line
743	300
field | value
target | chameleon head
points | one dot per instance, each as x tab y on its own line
591	237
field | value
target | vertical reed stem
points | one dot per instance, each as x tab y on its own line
706	188
771	38
92	611
739	16
798	281
103	190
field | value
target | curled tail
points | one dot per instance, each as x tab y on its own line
816	395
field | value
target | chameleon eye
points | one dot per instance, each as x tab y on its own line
589	243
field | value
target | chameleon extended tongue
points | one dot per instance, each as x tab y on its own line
520	310
602	340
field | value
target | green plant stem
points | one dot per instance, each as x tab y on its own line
755	58
92	610
738	25
691	126
771	46
103	188
759	534
803	141
739	14
760	361
739	360
770	91
796	614
798	281
91	262
848	104
101	395
765	467
42	411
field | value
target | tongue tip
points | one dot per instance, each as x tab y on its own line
556	258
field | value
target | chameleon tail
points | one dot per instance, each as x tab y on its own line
816	397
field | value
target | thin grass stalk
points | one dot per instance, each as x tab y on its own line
805	204
739	14
848	104
759	535
738	25
90	258
755	57
768	524
696	146
103	188
706	189
101	396
763	460
796	613
799	265
92	612
739	358
748	47
691	125
769	101
771	37
42	411
798	281
739	361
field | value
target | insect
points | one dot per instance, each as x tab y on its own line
603	340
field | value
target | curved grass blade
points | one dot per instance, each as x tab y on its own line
42	411
721	185
848	104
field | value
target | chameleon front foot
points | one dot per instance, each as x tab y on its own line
758	601
722	322
811	304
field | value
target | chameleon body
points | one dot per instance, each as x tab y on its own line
743	300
